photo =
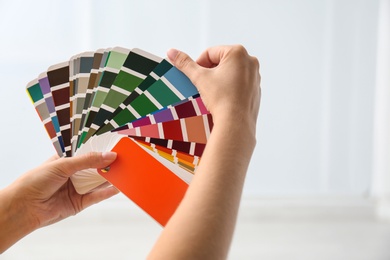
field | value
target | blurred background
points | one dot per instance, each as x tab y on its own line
318	184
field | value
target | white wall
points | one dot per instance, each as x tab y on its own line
381	142
318	65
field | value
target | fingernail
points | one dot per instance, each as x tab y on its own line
108	156
172	53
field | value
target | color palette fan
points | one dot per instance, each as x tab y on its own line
136	104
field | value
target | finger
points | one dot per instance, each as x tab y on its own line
68	166
184	63
98	195
212	56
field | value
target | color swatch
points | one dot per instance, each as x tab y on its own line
132	102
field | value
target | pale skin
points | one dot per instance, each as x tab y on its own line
45	195
228	80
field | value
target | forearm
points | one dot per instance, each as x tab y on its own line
203	225
14	220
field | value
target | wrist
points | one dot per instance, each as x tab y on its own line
235	132
240	125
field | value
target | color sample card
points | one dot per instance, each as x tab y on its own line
80	70
58	80
136	104
44	110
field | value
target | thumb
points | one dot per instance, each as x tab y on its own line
68	166
184	63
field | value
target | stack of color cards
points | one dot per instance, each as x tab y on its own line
133	103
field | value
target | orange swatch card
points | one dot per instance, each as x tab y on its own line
145	180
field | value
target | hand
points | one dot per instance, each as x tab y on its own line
227	78
45	195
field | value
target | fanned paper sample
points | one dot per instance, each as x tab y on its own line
136	104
